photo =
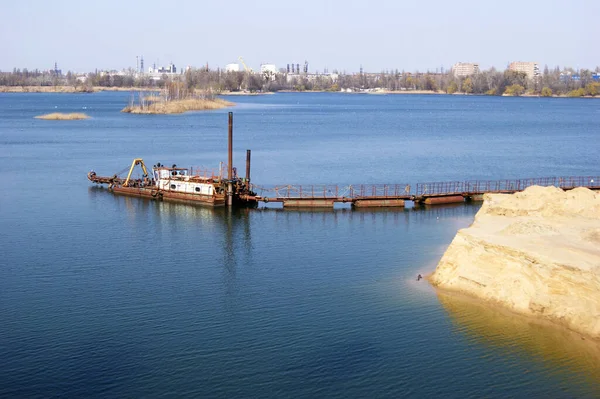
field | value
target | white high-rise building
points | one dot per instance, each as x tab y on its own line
465	69
532	69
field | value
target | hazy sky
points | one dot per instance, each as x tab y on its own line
378	34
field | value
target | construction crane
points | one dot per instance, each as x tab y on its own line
249	70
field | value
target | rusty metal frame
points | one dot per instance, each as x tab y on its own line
136	161
466	188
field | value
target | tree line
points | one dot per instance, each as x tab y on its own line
489	82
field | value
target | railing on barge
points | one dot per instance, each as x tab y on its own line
389	195
503	186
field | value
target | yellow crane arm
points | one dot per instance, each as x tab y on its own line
137	161
244	64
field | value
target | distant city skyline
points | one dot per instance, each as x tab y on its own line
333	35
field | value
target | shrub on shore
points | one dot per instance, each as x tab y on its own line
577	93
452	88
546	92
592	89
514	90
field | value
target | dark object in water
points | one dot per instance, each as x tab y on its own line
419	277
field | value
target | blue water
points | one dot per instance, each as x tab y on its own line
106	296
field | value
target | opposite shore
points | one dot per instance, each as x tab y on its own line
69	89
96	89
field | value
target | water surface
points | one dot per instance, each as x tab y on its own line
112	296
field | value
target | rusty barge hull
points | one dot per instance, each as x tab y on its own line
160	195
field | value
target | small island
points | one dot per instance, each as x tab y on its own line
536	253
58	116
176	106
174	99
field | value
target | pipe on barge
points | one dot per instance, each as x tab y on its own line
248	153
230	162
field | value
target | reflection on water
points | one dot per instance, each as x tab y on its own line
418	213
556	347
134	206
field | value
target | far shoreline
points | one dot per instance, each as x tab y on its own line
70	89
97	89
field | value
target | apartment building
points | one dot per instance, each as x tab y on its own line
532	69
465	69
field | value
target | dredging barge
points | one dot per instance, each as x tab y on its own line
182	185
178	185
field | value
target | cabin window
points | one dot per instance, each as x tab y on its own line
173	187
197	189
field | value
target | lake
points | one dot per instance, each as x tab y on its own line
108	296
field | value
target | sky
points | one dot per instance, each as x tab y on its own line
378	35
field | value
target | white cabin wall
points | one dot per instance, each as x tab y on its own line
186	187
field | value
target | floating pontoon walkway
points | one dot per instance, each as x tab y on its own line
396	195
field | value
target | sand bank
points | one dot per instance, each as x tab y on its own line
57	116
536	253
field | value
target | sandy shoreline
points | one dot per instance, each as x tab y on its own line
494	325
535	253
